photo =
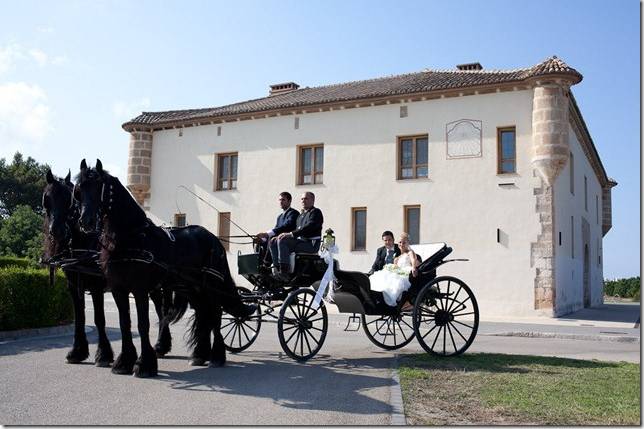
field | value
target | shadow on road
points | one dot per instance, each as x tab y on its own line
39	344
324	383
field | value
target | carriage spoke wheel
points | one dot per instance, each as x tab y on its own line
446	317
389	332
301	328
240	332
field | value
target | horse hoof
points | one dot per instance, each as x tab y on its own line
198	362
121	371
139	373
74	360
103	363
217	364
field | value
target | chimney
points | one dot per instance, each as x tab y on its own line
470	66
282	88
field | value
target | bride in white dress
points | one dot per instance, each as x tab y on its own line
393	279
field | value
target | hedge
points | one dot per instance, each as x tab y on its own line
28	301
14	261
624	288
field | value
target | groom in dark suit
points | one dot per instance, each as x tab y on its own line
385	254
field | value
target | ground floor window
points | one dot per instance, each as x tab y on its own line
359	228
179	219
224	229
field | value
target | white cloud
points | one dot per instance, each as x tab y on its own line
14	53
130	109
45	29
59	60
9	55
25	117
39	56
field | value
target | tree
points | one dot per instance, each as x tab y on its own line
21	234
21	183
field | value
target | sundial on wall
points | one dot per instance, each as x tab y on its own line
464	138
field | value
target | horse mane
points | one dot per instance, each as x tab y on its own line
123	213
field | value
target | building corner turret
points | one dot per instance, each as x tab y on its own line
139	166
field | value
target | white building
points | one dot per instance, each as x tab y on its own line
498	164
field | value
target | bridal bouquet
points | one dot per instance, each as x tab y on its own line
401	271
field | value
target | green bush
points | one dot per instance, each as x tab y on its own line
28	301
624	288
14	261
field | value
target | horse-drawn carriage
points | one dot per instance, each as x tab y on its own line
444	319
188	266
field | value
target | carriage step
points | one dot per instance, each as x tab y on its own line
353	319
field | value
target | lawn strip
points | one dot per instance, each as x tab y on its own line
514	389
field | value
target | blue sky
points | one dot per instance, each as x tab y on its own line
71	72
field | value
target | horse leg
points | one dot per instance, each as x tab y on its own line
104	354
146	364
164	340
218	352
80	349
124	363
200	335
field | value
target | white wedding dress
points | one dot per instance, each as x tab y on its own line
392	280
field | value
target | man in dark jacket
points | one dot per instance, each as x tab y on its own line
385	254
285	223
305	238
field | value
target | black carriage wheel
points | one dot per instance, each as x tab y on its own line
240	332
389	332
300	328
446	316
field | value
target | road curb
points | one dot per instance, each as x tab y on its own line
612	338
395	398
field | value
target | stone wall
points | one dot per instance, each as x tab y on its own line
139	165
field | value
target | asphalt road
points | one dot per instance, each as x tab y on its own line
348	383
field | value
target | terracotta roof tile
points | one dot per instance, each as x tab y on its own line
425	81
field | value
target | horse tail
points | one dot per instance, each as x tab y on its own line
177	309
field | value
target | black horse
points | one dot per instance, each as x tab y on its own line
137	256
65	243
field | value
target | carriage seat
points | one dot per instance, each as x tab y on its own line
293	257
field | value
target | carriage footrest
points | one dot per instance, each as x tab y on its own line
353	319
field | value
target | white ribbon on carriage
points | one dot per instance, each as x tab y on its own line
325	253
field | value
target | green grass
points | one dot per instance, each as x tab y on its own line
514	389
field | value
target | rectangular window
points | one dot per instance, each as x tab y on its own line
179	219
572	237
597	209
572	174
586	193
226	171
224	229
310	164
506	150
359	228
412	223
413	157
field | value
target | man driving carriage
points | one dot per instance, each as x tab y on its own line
304	239
286	222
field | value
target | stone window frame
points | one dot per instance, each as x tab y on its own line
230	178
179	220
406	209
414	166
314	171
354	211
499	151
223	229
